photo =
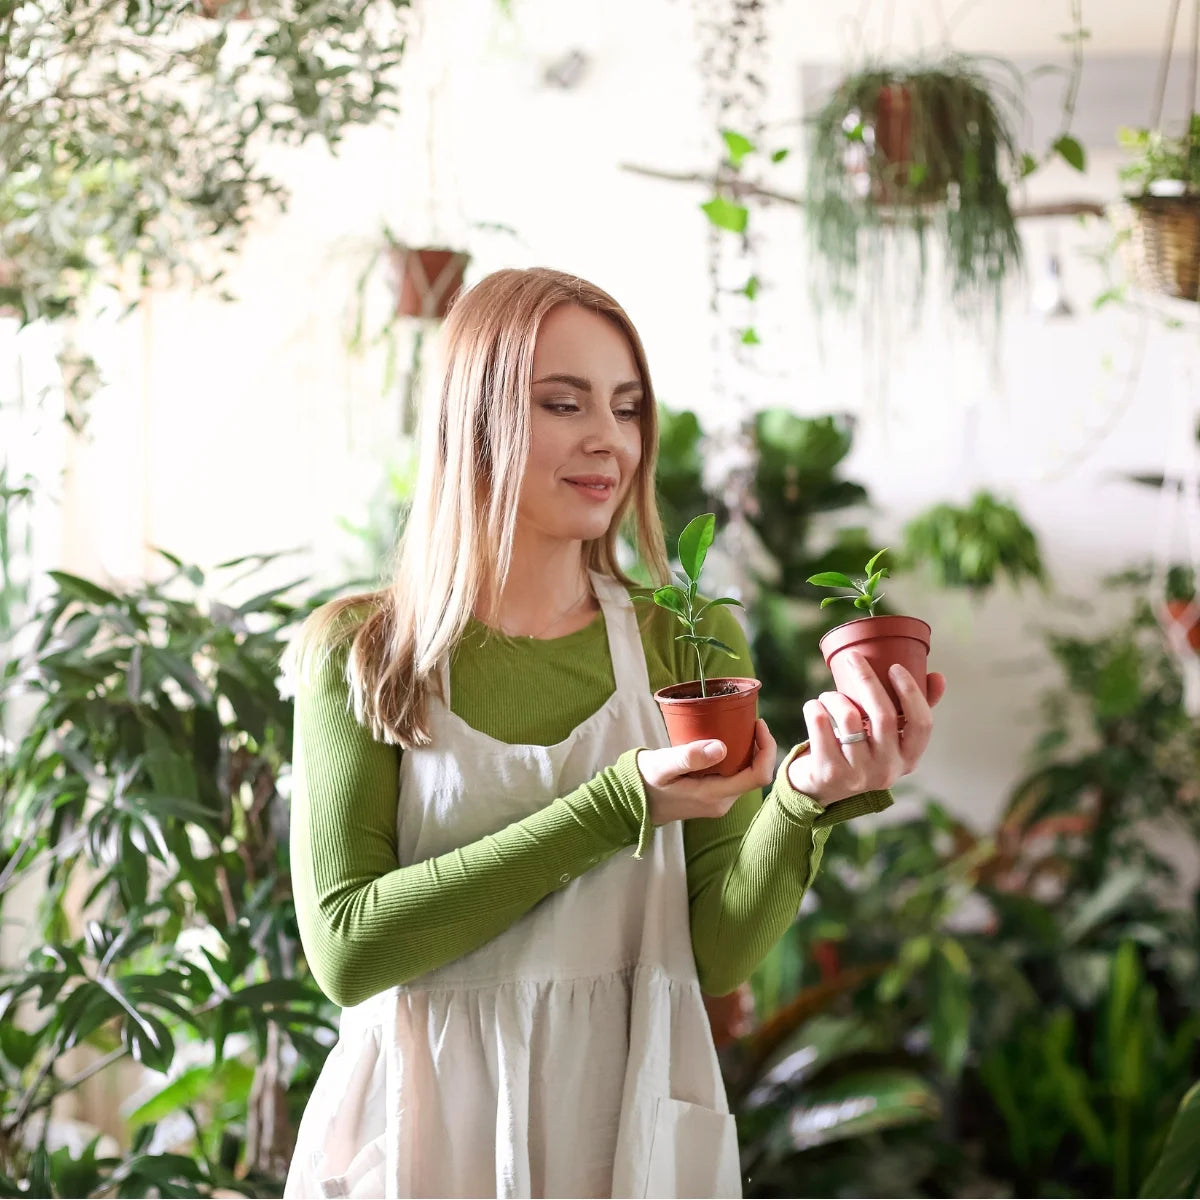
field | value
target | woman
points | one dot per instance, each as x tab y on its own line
512	883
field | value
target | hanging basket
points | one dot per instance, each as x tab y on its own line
1163	248
427	280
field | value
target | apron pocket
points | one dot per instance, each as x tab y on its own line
693	1152
365	1177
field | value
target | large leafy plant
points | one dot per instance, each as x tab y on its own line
1030	978
132	135
144	803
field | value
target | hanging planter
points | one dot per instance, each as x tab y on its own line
425	281
1162	246
924	150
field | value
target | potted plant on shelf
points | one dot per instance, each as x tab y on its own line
725	708
882	640
1163	222
925	148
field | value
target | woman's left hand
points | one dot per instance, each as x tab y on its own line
832	770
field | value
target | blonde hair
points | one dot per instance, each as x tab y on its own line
473	438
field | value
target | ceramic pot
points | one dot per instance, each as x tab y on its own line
883	641
728	718
426	281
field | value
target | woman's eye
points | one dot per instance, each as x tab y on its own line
561	406
629	414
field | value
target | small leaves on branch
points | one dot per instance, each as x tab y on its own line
693	546
863	593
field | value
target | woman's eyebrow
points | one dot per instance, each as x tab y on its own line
584	385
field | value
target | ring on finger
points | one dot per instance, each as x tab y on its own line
847	738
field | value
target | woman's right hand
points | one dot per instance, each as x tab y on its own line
676	788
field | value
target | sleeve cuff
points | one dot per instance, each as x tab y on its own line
634	787
805	810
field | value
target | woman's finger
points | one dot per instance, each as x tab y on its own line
935	687
847	721
822	741
870	695
761	770
918	717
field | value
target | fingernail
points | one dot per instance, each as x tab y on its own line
714	748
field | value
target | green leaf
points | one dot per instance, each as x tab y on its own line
721	600
951	1011
750	291
779	155
863	602
750	337
672	599
1071	151
833	600
917	173
861	1103
83	589
1029	164
724	214
738	147
715	643
875	559
1177	1171
694	542
831	579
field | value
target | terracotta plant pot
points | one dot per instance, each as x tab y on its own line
426	281
1186	615
727	718
883	641
892	122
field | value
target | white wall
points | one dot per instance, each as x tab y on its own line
245	427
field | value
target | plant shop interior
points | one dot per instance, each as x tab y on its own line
919	277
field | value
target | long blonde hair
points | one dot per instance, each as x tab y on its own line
473	437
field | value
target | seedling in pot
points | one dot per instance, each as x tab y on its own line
882	641
864	592
694	542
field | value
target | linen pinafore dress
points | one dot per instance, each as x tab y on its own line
569	1056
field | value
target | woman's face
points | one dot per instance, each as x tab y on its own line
586	435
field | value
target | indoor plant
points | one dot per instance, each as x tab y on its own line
1164	243
882	640
725	709
972	546
926	148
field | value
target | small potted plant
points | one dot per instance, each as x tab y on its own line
1163	250
724	709
882	640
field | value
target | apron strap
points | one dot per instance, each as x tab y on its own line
624	638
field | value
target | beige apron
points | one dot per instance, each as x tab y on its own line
570	1055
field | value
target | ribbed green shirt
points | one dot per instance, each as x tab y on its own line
368	923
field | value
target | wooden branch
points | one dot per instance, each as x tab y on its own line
739	189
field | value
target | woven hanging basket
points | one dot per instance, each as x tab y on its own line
426	281
1163	250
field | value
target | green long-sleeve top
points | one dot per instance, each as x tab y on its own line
368	923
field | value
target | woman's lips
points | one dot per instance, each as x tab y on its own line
594	492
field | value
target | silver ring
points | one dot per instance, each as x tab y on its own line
847	738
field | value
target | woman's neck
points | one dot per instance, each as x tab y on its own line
548	594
